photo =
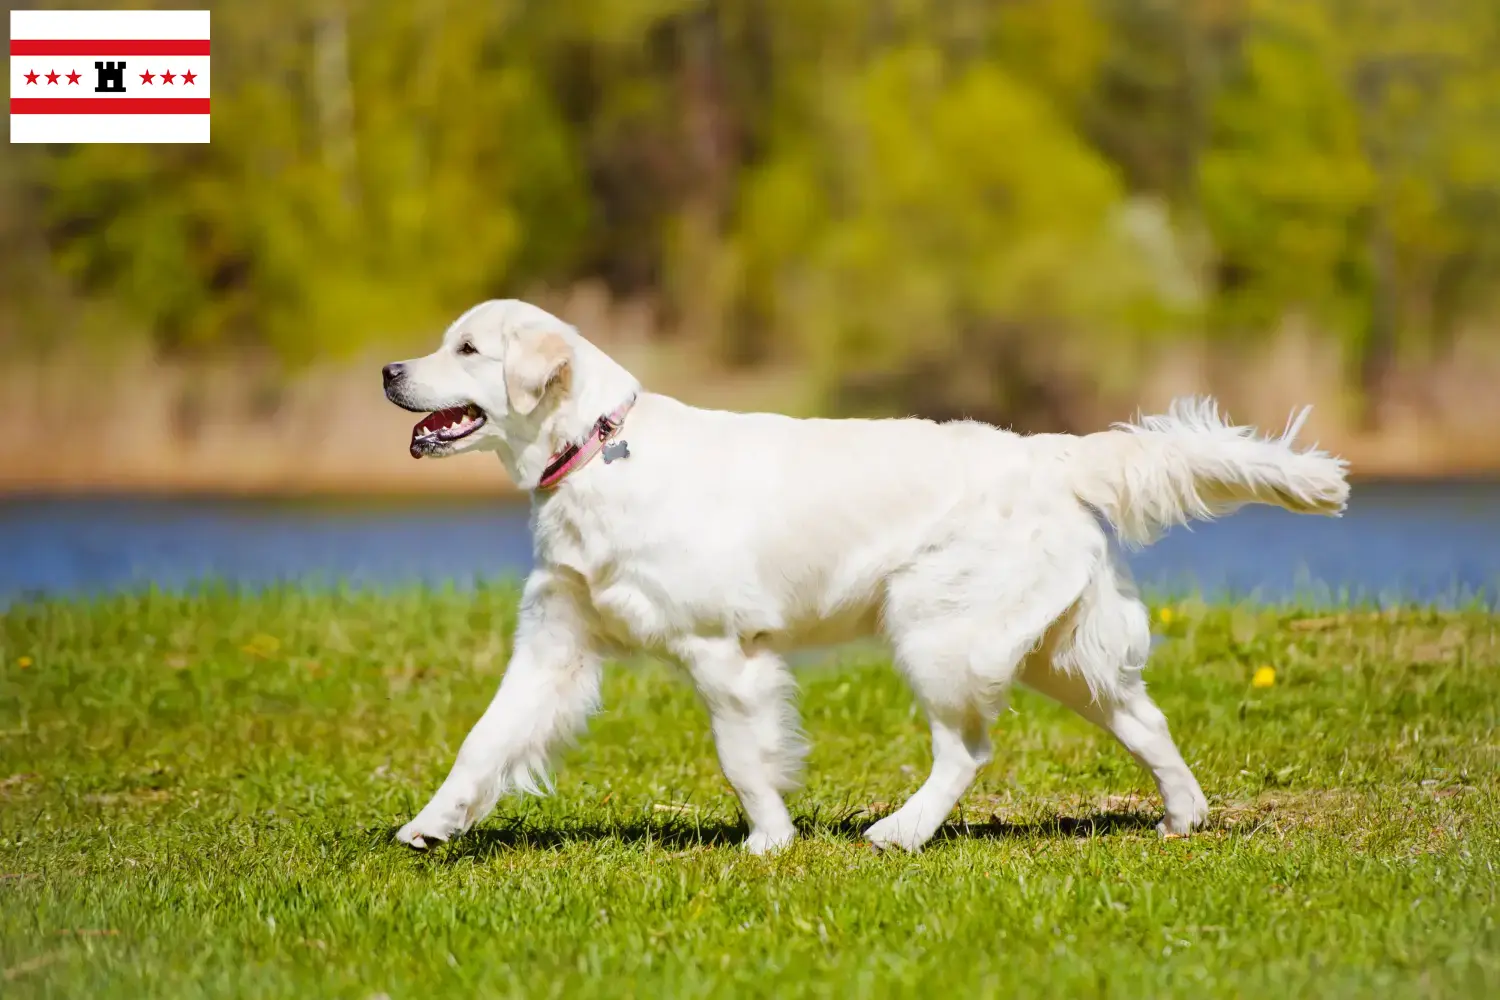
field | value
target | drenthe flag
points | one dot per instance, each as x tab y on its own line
109	76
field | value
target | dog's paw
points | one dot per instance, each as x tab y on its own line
414	835
432	826
896	831
1184	819
761	842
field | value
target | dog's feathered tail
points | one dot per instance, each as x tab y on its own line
1147	476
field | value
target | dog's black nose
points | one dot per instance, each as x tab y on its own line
392	373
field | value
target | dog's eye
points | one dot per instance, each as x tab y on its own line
467	348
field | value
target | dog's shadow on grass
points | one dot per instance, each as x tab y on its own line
1100	824
688	835
489	841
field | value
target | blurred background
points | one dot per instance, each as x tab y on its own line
1042	213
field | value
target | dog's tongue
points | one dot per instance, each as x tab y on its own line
432	423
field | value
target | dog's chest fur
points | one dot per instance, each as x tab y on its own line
604	553
650	574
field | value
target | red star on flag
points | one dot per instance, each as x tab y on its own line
73	77
167	77
189	77
147	76
52	77
31	77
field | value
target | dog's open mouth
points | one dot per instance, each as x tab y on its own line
445	427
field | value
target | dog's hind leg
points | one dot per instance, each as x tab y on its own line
750	702
1094	666
960	662
551	686
960	747
1127	712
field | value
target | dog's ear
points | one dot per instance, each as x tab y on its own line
537	360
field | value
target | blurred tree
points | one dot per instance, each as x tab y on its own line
1354	172
1285	182
946	205
370	166
995	196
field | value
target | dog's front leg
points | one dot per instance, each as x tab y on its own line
749	698
551	686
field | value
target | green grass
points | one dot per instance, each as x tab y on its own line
197	796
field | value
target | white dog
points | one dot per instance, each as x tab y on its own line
723	540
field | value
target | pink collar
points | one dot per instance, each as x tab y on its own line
576	456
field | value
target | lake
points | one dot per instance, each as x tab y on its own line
1425	542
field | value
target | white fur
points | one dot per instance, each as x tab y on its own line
729	539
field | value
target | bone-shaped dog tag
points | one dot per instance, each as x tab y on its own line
616	449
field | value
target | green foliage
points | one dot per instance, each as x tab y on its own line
847	185
1354	168
366	171
931	200
198	795
1285	184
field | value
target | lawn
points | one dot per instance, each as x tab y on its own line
197	796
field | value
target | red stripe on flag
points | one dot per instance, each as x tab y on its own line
109	105
107	47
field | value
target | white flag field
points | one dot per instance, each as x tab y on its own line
109	76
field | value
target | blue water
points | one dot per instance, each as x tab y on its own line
1429	542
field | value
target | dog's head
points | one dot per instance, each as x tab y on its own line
500	367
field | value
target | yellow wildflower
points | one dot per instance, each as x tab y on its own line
262	645
23	662
1166	616
1264	677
